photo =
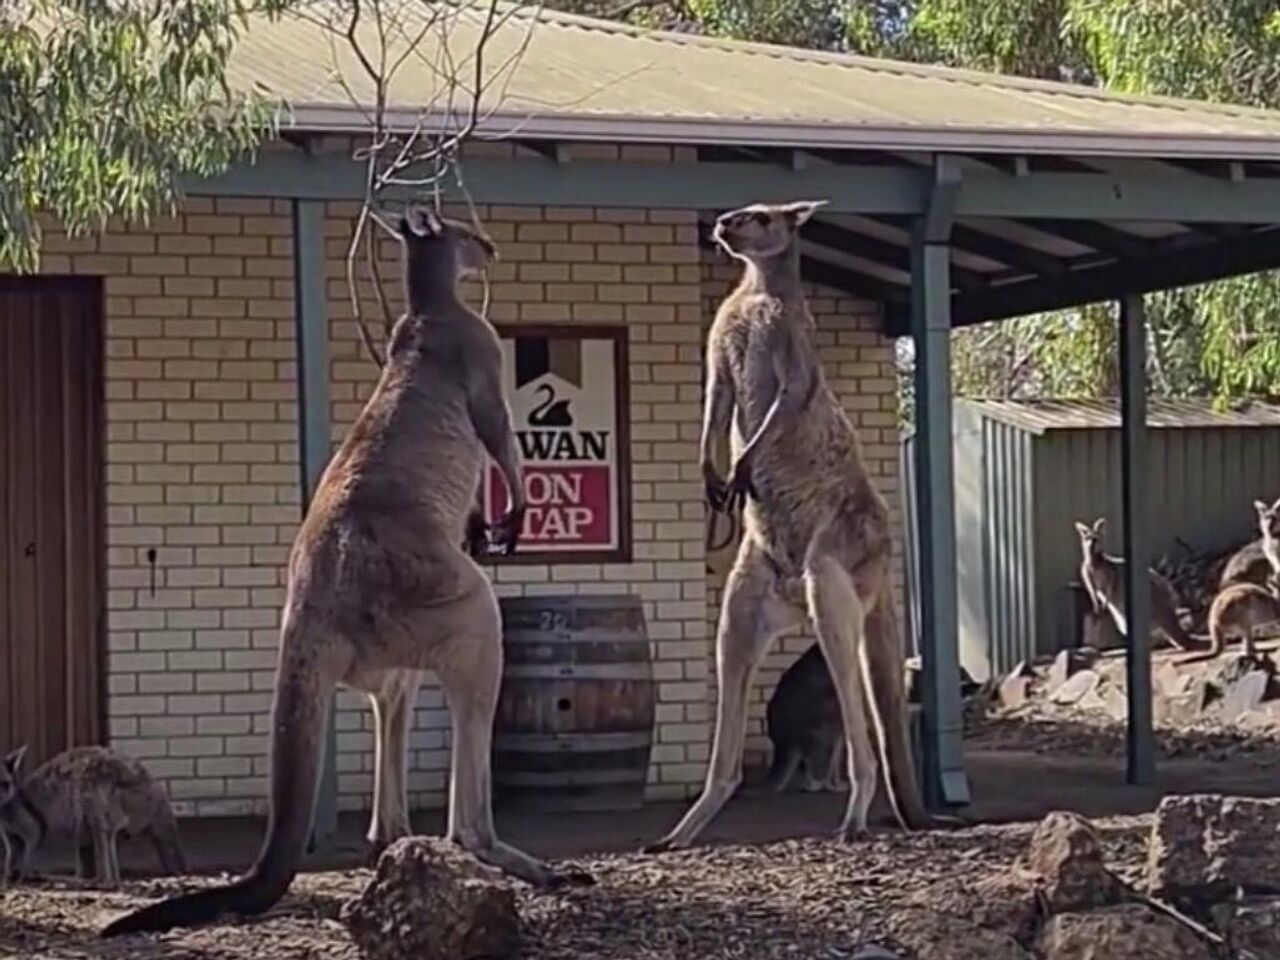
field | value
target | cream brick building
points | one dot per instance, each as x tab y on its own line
202	467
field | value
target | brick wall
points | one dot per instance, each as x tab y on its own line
858	363
202	467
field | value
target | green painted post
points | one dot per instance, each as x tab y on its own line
311	323
945	782
1140	738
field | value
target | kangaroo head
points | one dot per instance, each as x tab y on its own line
1091	536
763	230
11	773
1268	518
439	252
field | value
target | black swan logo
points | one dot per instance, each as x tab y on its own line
551	412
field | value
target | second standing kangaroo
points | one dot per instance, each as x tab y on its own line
90	795
1103	577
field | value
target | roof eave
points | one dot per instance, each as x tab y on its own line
695	131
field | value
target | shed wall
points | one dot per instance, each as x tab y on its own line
1033	487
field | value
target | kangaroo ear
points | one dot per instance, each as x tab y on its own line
800	211
1260	507
1099	524
1083	529
14	760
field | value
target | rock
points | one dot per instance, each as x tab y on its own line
1125	932
1067	855
430	900
1015	690
1251	925
1203	846
876	953
1065	665
1244	695
1004	902
939	936
1075	688
1169	681
1235	668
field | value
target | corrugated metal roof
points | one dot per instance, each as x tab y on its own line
1041	416
580	78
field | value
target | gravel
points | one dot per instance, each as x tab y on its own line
798	900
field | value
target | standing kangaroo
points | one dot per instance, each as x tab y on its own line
380	590
1103	578
91	795
813	518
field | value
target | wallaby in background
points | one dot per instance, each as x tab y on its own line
1103	578
1269	527
813	519
1242	610
89	795
804	724
380	588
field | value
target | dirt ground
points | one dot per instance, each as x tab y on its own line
754	891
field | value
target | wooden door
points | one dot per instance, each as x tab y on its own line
51	536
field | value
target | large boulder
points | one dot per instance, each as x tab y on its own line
1204	846
1124	932
929	935
1250	925
1066	852
430	900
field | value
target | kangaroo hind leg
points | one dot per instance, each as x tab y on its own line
393	715
839	619
469	666
751	618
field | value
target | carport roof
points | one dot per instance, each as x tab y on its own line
585	79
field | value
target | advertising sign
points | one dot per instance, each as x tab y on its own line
567	389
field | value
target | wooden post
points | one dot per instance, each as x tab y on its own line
311	322
1140	738
943	727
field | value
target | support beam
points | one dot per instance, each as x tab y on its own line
1105	239
311	323
1184	266
842	240
945	782
1137	586
1009	252
853	188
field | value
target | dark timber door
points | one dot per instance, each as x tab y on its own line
51	543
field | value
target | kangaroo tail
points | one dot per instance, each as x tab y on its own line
298	722
882	672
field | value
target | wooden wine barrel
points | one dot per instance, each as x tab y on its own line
575	716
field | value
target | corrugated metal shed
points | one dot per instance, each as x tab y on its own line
1024	472
586	78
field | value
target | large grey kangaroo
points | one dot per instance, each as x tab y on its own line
812	517
380	589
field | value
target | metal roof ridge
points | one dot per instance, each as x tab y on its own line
894	67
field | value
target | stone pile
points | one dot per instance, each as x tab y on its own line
1210	892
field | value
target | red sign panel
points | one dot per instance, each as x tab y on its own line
569	507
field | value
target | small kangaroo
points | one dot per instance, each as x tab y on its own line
380	588
1241	610
804	723
1103	578
90	795
813	520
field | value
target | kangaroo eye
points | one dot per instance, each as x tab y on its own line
760	218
